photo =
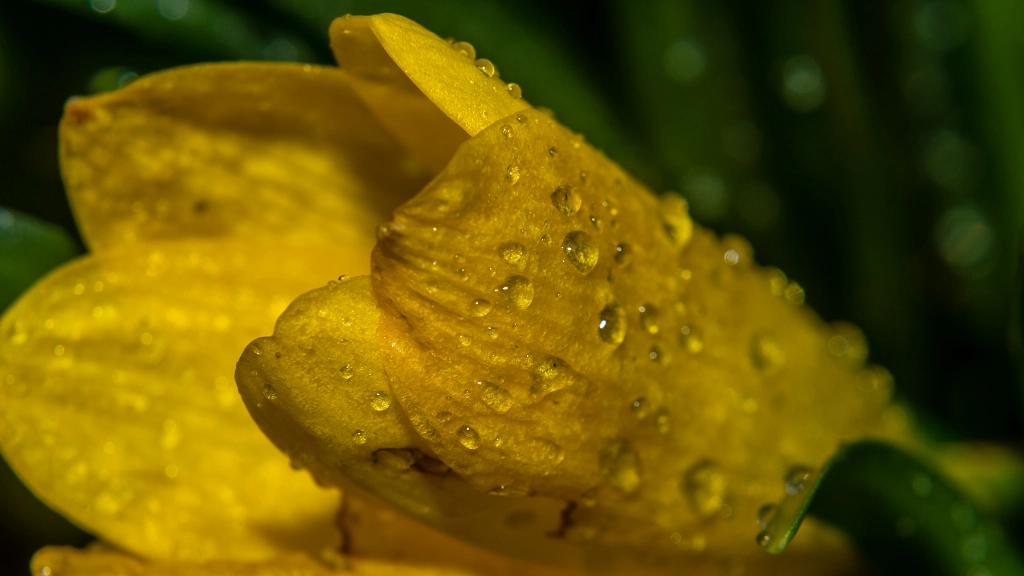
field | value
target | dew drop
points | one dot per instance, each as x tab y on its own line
704	486
466	49
513	253
512	174
765	515
347	372
480	307
595	221
487	67
566	199
464	340
508	491
612	324
623	254
620	465
469	438
649	318
380	401
766	353
497	398
732	257
359	437
794	294
764	539
640	408
691	340
269	393
521	118
518	291
506	130
581	250
514	90
552	151
797	480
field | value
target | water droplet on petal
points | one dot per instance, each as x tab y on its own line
380	401
704	486
514	90
612	324
347	372
469	438
269	393
512	174
507	131
649	318
581	250
513	253
359	437
566	199
466	49
518	291
623	254
640	408
480	307
487	67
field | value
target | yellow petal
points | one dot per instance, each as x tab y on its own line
118	406
61	561
624	360
317	389
233	150
429	93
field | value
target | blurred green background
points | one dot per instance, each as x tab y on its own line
872	149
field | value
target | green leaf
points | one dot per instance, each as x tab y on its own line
879	495
29	248
208	29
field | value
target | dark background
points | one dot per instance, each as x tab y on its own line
872	149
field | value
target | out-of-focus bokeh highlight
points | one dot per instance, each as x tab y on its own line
872	149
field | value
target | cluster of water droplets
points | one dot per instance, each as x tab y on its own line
486	67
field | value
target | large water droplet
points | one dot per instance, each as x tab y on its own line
497	398
469	438
506	130
649	318
347	372
269	393
518	291
581	250
620	464
466	49
797	480
514	90
513	253
487	67
612	324
380	401
480	307
704	486
766	353
566	200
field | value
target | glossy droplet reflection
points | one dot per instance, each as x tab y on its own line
487	67
380	401
518	291
469	438
480	307
513	253
611	324
566	200
765	515
514	90
797	480
649	318
581	250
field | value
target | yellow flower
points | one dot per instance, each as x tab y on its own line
537	323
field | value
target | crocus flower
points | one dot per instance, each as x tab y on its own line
547	369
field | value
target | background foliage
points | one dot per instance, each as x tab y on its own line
872	149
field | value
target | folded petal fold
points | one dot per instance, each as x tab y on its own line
256	151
